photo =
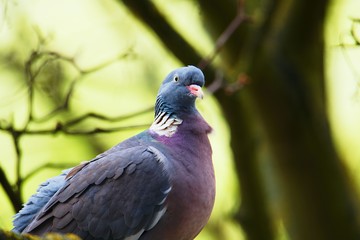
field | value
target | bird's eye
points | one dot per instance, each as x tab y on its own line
176	78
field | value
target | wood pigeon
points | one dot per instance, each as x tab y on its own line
156	185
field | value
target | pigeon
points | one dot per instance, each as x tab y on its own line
158	184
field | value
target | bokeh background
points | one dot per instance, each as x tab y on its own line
283	78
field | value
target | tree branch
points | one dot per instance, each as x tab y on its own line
52	56
12	193
147	12
106	118
65	130
46	166
226	34
38	60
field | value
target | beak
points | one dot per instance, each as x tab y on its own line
196	91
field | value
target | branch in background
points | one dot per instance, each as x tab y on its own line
11	192
47	166
54	56
14	191
225	36
356	38
16	141
38	60
148	13
106	118
67	127
350	46
65	130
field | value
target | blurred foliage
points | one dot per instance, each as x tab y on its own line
77	77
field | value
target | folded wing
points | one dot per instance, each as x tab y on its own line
118	196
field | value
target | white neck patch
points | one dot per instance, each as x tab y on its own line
163	125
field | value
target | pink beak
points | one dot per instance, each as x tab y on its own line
196	90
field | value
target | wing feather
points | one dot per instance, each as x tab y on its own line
37	201
118	196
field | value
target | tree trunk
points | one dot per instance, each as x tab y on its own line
288	89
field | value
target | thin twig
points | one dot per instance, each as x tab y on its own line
217	83
82	72
36	63
46	166
224	37
62	107
344	47
106	118
12	193
353	31
16	141
65	130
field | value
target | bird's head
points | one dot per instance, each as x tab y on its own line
179	91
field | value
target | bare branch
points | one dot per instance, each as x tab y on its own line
349	46
65	130
240	18
217	83
353	31
12	193
147	12
46	166
106	118
16	141
82	72
38	60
